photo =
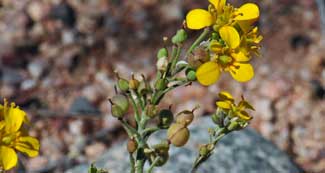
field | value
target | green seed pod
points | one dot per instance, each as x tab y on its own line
185	117
198	57
233	126
179	37
166	118
161	84
117	111
162	53
123	84
178	134
162	147
152	111
203	150
163	158
121	101
132	145
191	75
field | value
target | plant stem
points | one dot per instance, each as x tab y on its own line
132	162
135	108
175	59
153	164
198	40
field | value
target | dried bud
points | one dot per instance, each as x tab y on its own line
151	111
166	117
179	37
162	64
161	84
178	134
132	145
199	56
134	84
162	53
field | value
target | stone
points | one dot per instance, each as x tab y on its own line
82	106
243	151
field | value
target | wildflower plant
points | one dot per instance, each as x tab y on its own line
228	42
14	136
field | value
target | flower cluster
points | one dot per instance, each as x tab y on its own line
233	41
231	115
14	136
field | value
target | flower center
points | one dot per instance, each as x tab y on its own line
225	60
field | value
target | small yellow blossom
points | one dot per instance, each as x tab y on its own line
219	14
227	104
14	137
228	55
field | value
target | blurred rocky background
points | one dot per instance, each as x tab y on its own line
57	59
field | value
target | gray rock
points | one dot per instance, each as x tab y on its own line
82	106
239	152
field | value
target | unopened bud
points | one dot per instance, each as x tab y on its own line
191	75
162	64
123	84
162	53
179	37
161	84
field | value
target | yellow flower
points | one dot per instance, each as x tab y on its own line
13	136
220	14
229	56
227	104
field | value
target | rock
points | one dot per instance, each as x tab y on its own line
82	106
11	76
65	13
244	151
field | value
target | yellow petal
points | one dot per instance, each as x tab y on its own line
198	19
244	115
248	11
225	95
8	157
242	72
14	118
230	36
240	56
28	145
223	104
246	25
218	4
208	73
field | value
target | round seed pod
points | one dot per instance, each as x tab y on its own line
163	158
166	118
121	101
123	84
132	145
185	117
191	75
178	134
203	150
151	111
117	111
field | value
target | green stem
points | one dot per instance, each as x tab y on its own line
129	129
198	40
132	162
153	164
134	105
175	59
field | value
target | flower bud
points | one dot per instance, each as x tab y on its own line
233	126
161	84
218	117
121	101
132	145
178	134
179	37
191	75
123	84
199	57
162	53
185	117
162	64
203	150
134	84
166	117
151	111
